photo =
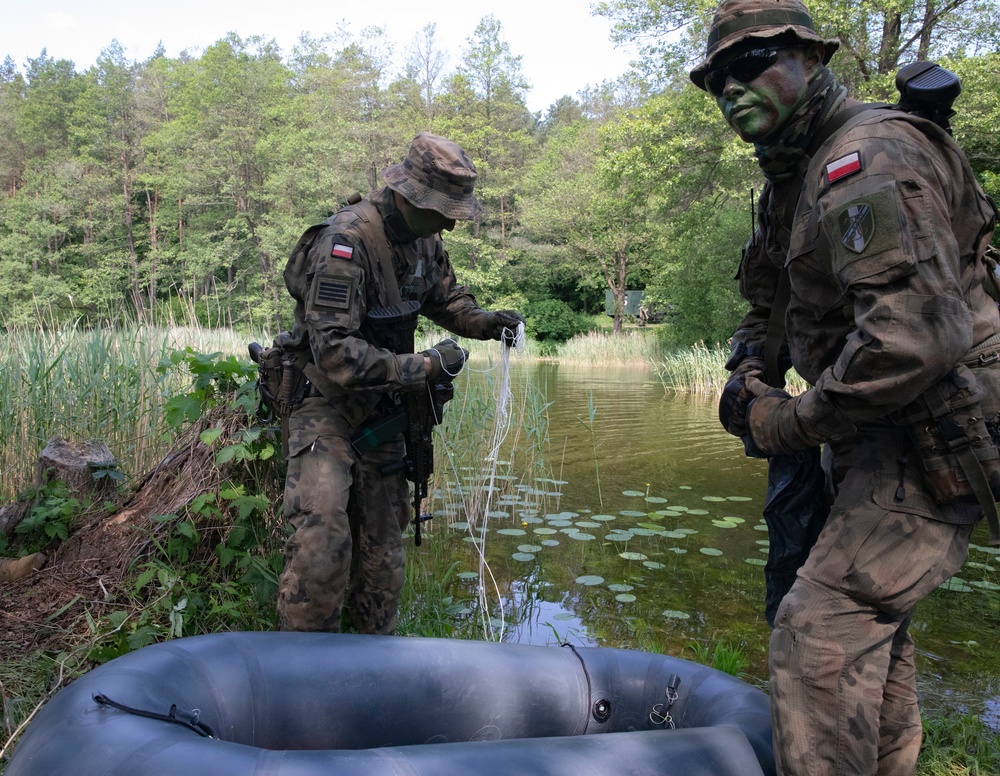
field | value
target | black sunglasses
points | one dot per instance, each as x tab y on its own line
743	68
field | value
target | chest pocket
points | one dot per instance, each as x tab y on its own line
810	271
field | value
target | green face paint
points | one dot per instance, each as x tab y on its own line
424	222
760	108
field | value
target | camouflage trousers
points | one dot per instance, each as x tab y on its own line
843	680
346	551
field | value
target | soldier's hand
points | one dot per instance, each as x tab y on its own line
446	359
771	425
733	403
502	325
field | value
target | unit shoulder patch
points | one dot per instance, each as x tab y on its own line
857	226
842	167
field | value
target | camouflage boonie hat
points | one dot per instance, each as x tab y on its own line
738	20
436	175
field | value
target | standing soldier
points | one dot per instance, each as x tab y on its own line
359	281
869	253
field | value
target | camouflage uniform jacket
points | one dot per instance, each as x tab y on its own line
335	278
886	287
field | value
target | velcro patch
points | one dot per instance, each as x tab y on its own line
332	292
842	167
342	251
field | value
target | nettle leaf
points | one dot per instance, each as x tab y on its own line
181	409
231	453
209	436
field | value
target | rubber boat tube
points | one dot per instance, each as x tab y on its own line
303	704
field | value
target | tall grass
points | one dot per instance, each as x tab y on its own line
100	383
702	369
631	347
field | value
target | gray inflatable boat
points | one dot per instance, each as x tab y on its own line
306	704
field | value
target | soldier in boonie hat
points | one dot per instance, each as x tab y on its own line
436	175
737	21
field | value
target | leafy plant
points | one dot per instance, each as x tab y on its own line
52	514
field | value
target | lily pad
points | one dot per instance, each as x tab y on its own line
712	498
697	511
587	524
633	493
755	561
687	531
673	614
760	528
957	585
620	588
590	580
738	498
512	531
564	616
677	550
581	536
710	551
467	575
560	523
656	500
625	598
669	512
461	526
549	543
674	534
603	518
632	513
523	556
543	531
723	524
528	548
633	556
653	564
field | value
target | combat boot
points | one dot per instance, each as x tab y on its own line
15	568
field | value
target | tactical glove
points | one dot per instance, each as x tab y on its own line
447	359
502	325
735	399
772	425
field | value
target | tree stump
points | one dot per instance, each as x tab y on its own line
75	463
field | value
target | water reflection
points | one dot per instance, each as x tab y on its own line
646	533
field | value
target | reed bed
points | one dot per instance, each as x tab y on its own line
604	347
103	383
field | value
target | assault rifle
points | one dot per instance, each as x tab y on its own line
420	412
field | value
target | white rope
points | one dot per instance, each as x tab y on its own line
478	515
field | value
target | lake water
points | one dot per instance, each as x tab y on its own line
635	522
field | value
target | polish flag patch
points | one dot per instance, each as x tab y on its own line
342	251
842	167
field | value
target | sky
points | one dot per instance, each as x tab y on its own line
563	47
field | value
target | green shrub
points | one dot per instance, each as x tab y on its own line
553	321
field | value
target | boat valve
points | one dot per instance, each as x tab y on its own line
602	710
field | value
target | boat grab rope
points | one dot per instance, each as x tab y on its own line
660	715
189	719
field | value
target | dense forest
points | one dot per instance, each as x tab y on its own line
172	189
